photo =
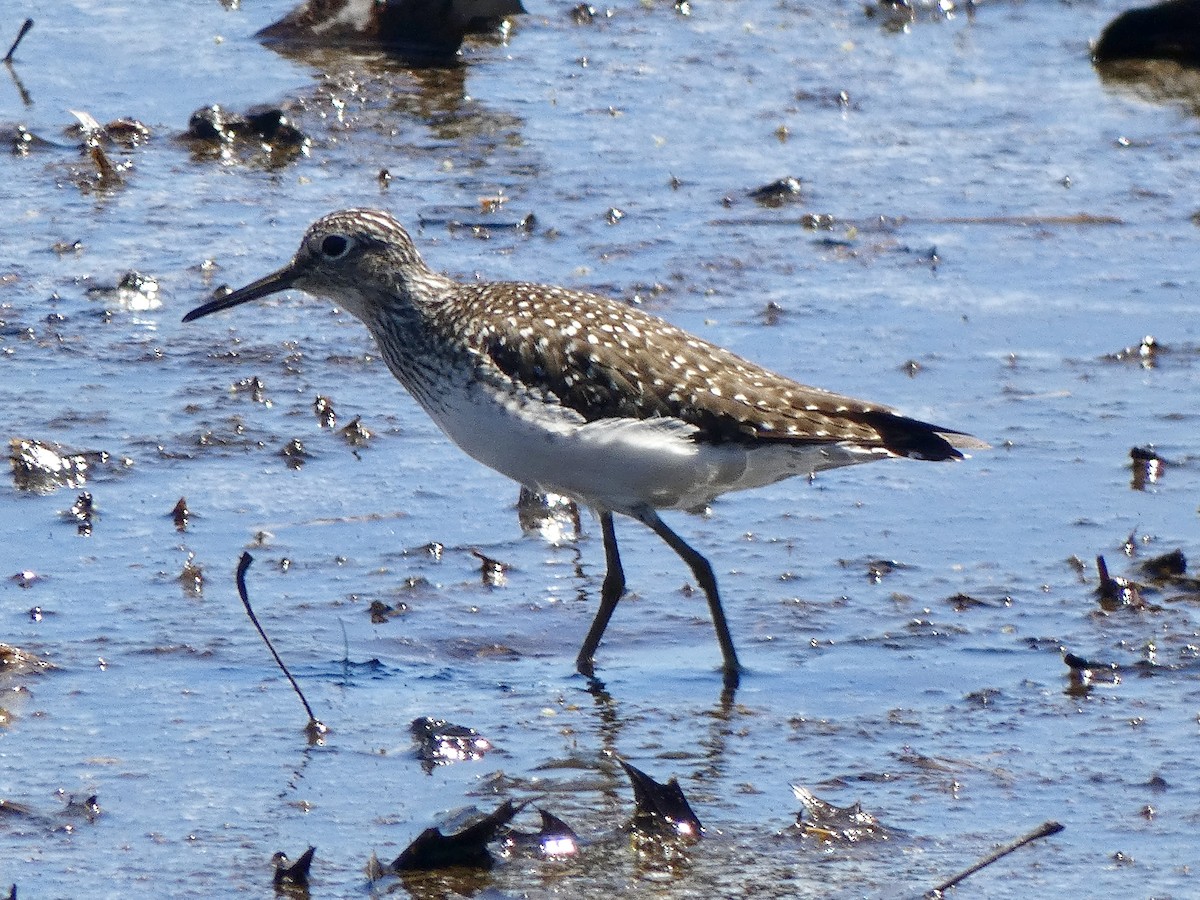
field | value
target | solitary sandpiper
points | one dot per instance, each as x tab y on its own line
573	393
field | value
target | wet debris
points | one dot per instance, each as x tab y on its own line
776	193
1166	567
660	810
103	174
454	220
492	572
898	15
42	467
323	409
294	453
11	809
1168	571
1046	829
315	730
381	612
553	516
984	697
465	648
292	877
263	135
87	809
586	14
1145	353
1130	545
356	434
429	31
1083	674
1166	31
62	248
25	578
89	138
254	387
440	742
466	848
493	202
8	58
65	819
1157	783
124	132
21	141
771	314
15	662
1147	466
135	292
875	569
831	824
1115	592
554	840
191	576
434	550
82	513
180	514
962	602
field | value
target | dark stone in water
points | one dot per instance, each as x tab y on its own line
555	839
82	512
836	824
1165	567
777	192
466	848
661	810
292	874
41	467
440	742
180	514
1115	592
1148	467
493	572
553	516
1169	31
424	27
269	124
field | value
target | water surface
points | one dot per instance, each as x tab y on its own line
951	166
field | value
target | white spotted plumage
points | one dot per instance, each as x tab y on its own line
578	394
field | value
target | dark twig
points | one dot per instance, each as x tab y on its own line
1044	830
315	727
28	23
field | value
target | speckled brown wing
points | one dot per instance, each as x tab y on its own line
605	359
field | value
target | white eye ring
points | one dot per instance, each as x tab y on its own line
335	246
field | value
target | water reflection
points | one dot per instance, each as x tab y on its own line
421	32
1154	80
425	108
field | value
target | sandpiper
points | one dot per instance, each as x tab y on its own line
573	393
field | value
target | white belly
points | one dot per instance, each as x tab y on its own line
619	464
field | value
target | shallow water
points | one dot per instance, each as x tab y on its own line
975	138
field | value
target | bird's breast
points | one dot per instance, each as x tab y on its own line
616	464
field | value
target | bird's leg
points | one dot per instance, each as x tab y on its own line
703	574
610	593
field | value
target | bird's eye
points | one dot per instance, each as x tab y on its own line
335	246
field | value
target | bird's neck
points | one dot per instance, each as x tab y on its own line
414	333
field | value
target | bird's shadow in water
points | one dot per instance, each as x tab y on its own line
710	741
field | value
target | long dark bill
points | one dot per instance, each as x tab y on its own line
269	284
